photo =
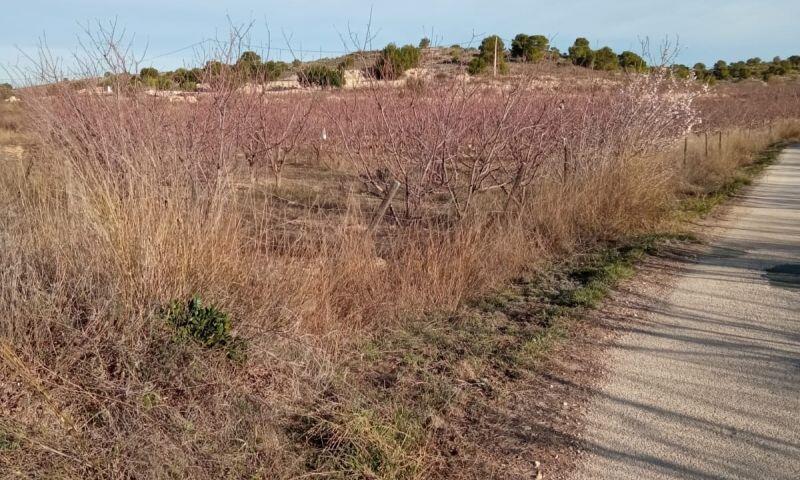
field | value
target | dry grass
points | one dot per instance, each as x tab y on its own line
126	205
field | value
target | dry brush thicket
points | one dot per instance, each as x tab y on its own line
260	203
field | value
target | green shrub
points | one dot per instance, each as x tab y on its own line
631	62
148	72
322	76
8	441
207	325
740	70
721	70
270	70
394	61
456	53
425	43
163	82
214	67
700	71
347	63
188	86
486	56
477	66
606	59
248	64
182	75
529	48
251	67
5	90
681	71
580	53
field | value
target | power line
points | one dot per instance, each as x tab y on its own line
183	49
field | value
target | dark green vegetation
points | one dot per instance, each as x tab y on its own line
5	90
491	55
322	76
394	61
530	48
205	324
581	54
248	68
751	68
535	48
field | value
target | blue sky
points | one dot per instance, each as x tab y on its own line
708	29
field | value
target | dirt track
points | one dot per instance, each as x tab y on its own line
706	384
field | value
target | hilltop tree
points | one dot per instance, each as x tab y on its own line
148	72
740	70
151	78
529	48
425	43
775	68
631	62
492	50
249	64
249	57
606	59
721	70
681	71
580	53
700	71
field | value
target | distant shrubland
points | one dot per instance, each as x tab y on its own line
492	55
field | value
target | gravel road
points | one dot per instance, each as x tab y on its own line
707	384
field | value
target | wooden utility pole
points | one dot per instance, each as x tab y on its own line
494	67
706	133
